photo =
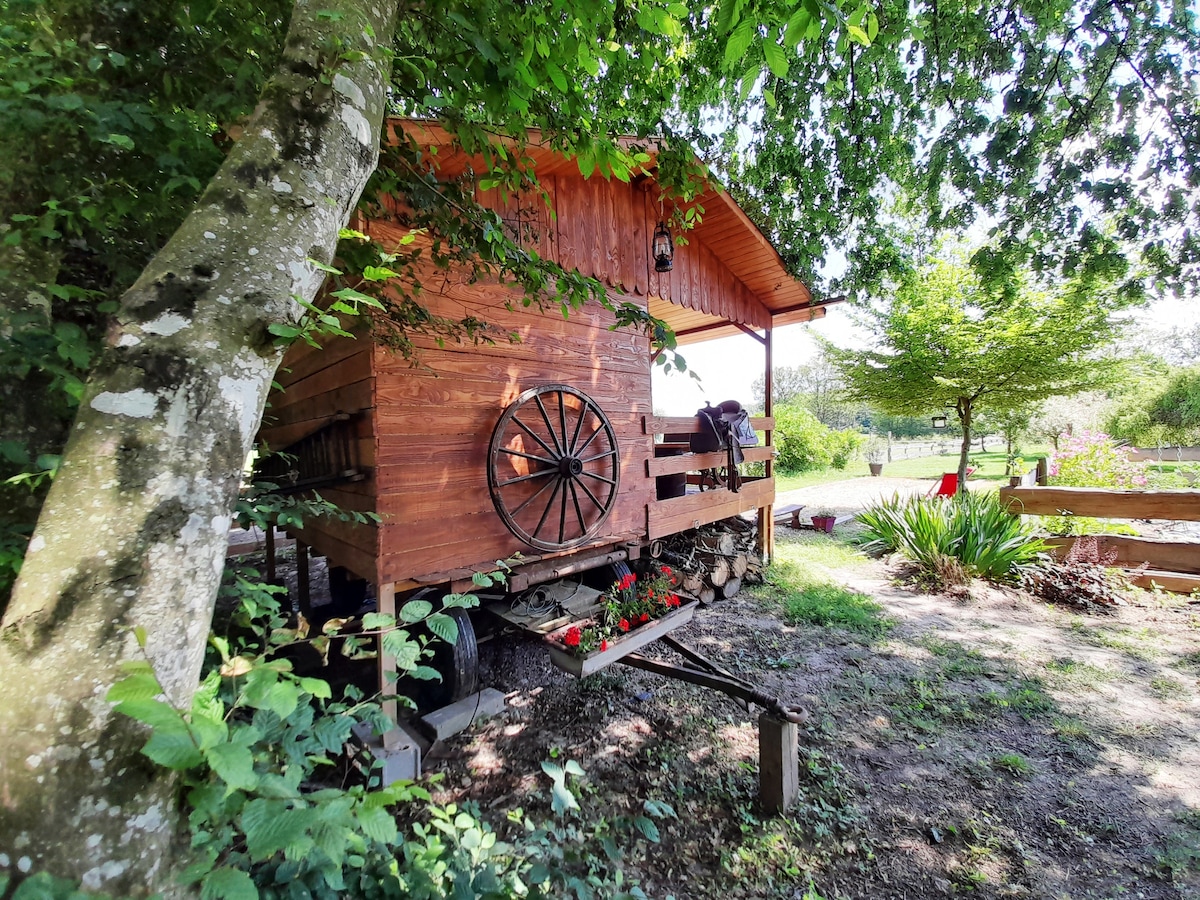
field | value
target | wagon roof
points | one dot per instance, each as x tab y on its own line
724	229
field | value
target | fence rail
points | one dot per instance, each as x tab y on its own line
1171	565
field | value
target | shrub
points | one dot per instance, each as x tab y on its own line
805	444
802	440
942	535
843	447
1093	459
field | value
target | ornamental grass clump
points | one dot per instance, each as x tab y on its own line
628	605
953	538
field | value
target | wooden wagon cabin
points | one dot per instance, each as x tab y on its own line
543	447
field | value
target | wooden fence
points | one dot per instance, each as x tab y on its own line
1172	565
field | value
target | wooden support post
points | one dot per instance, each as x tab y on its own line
778	764
303	594
270	551
766	517
385	599
1043	471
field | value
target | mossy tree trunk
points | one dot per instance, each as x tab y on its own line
133	532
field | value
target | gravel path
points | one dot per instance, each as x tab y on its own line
850	497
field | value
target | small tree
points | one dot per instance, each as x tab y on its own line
943	341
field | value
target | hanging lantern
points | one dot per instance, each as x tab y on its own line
939	421
663	248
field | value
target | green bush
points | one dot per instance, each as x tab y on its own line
805	444
262	755
943	535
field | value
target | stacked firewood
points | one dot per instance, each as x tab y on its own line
713	561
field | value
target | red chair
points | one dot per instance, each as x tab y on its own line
947	487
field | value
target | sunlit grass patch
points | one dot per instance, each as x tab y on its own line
807	598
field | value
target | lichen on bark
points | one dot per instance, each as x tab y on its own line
133	532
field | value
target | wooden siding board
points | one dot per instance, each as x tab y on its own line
667	517
435	424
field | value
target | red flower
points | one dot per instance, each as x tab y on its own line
626	582
673	600
666	570
623	624
603	645
644	617
572	637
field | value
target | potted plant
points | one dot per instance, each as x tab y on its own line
628	619
874	453
824	520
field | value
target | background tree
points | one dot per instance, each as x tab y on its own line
943	340
818	387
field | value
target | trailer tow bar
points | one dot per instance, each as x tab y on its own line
778	734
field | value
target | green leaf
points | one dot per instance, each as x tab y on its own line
377	823
776	59
318	687
378	273
425	673
139	686
227	883
415	610
648	828
444	627
235	765
739	43
399	645
272	825
858	35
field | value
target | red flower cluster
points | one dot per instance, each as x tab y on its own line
626	582
573	636
623	624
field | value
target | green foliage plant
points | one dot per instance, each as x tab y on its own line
262	757
805	445
972	530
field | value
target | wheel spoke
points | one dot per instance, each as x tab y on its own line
592	437
540	459
541	474
545	512
599	477
583	411
516	512
578	511
562	517
562	420
583	487
599	456
550	428
542	443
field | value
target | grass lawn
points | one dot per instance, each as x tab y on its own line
990	467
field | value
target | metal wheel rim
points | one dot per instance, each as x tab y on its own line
553	467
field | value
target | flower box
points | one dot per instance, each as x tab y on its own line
617	647
824	523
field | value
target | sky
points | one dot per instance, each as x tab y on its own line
729	366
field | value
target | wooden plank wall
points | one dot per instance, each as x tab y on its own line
435	421
604	229
317	384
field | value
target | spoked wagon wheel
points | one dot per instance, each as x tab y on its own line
553	467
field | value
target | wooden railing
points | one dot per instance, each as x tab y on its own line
1172	565
672	515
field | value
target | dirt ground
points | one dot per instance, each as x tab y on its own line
982	744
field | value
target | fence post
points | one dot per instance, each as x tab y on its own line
1043	471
